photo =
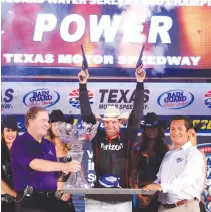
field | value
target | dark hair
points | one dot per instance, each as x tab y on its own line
5	152
186	119
160	146
4	149
2	131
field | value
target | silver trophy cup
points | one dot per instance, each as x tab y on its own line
75	136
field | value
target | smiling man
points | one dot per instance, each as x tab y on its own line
111	148
34	166
181	174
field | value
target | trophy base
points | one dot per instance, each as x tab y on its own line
76	180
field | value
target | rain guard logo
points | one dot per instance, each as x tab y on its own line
175	99
41	97
74	98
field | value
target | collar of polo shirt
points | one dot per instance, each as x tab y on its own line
185	147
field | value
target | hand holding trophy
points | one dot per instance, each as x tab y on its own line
75	135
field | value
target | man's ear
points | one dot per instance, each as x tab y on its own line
120	122
193	136
30	121
190	132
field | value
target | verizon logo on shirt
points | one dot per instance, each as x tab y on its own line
111	146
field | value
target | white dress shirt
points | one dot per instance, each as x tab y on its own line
181	174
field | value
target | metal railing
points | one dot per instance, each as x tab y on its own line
107	191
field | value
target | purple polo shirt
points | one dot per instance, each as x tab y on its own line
25	149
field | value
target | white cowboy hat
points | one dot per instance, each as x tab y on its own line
112	113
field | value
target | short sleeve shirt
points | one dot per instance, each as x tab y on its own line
25	149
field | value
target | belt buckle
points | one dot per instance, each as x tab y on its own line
170	205
48	194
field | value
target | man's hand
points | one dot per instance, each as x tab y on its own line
140	74
65	173
153	187
144	200
83	76
65	197
73	166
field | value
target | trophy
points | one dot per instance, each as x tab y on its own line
75	136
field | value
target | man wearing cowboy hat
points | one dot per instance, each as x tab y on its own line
111	148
